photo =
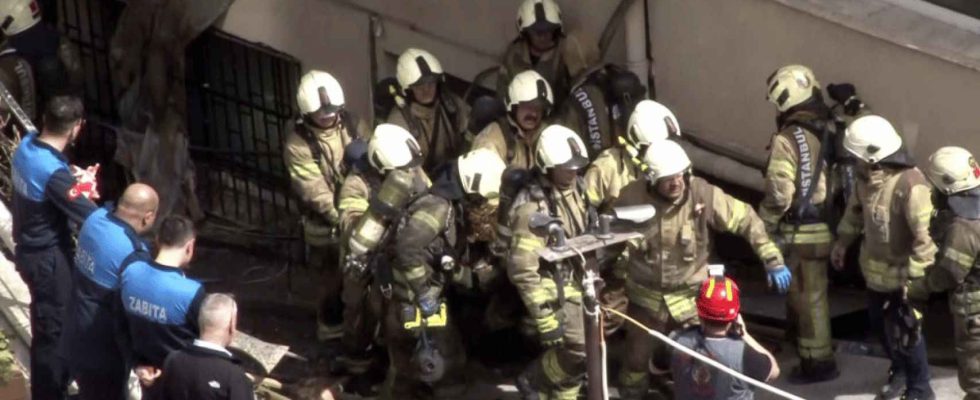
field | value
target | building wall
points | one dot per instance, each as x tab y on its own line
333	35
712	59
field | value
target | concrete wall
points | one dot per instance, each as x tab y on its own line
466	35
712	59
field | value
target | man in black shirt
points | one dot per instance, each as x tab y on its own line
206	370
722	337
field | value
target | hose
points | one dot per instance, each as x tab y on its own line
704	359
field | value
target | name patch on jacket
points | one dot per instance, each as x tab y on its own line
806	169
591	118
147	309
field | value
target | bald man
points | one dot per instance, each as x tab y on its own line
94	340
206	369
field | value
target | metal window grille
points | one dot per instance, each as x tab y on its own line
240	105
89	24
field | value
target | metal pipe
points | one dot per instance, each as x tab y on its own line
723	167
612	27
636	41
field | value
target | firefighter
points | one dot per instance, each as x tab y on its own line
17	76
46	199
529	102
955	176
721	336
667	266
793	212
600	106
544	46
611	171
552	293
617	166
434	115
54	59
362	301
314	156
426	352
891	206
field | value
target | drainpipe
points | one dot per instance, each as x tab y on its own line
637	43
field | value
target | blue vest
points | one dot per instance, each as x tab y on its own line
161	306
93	336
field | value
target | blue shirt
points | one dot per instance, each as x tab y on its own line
161	307
45	197
94	337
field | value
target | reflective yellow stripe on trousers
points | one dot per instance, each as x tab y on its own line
880	275
679	303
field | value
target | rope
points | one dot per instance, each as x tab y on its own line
705	359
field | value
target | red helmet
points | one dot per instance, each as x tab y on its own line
718	300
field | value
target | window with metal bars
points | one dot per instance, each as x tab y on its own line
240	103
89	25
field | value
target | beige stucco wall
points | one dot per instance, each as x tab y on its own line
334	34
712	58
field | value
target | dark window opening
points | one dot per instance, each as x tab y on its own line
89	25
968	7
240	105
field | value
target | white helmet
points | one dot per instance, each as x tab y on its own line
871	138
953	170
561	147
528	86
17	16
538	15
414	65
650	122
480	172
392	147
665	158
790	86
318	89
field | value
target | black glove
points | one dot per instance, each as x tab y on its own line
841	92
846	95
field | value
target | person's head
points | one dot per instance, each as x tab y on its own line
529	100
17	16
218	318
718	303
138	207
871	139
539	22
650	122
480	173
419	73
791	86
320	99
560	154
668	169
955	175
63	117
176	236
392	147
